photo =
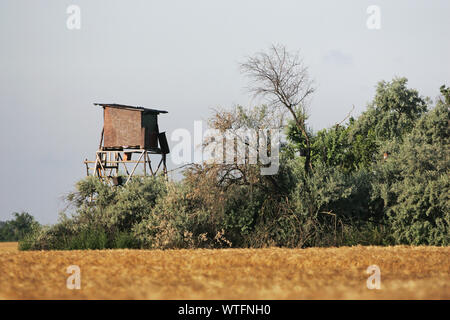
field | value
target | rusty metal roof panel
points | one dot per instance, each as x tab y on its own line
134	108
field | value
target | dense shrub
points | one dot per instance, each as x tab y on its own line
414	182
19	227
103	216
351	194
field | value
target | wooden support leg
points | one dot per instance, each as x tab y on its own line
145	164
101	169
150	165
164	165
87	168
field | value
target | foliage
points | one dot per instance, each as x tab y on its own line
350	193
17	228
414	182
103	215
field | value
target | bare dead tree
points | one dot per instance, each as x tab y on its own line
281	77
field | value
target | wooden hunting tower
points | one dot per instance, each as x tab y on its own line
127	130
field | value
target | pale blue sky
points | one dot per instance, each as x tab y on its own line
182	56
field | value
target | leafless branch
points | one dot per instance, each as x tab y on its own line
281	77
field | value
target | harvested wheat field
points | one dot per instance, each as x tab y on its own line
274	273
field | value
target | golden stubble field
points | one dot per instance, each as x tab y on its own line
273	273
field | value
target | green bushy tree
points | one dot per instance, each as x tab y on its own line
17	228
414	182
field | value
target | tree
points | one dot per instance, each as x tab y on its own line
238	123
14	230
283	79
391	115
393	111
445	91
414	181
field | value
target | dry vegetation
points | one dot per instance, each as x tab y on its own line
316	273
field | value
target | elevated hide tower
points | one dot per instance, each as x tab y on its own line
128	131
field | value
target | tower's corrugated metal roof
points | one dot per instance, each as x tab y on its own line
135	108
